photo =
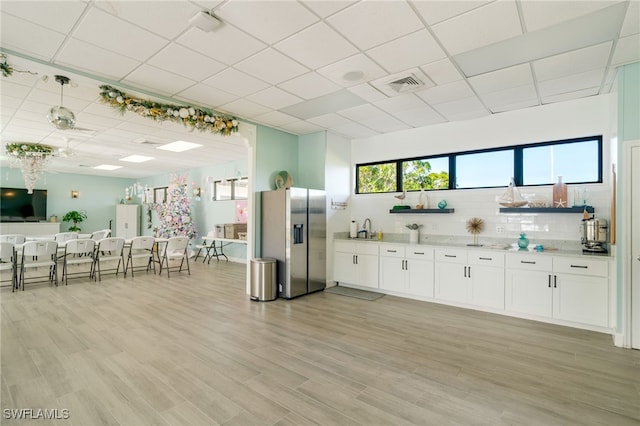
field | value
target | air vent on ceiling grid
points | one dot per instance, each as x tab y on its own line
406	84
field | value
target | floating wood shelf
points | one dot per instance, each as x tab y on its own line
422	211
579	209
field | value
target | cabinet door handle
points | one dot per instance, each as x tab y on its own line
485	258
469	271
406	266
391	251
555	281
528	262
355	259
418	252
450	255
579	266
465	272
549	281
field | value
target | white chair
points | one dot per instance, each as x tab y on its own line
99	235
173	250
109	250
8	262
61	238
78	252
141	248
208	244
13	238
39	254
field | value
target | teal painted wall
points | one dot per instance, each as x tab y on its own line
312	150
98	196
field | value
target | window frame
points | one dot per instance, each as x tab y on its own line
518	164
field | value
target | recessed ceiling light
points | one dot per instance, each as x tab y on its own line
353	75
107	167
137	158
179	146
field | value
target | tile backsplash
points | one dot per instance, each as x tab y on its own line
481	203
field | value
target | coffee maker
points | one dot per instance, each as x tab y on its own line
595	234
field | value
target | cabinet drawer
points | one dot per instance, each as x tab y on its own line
419	253
579	266
529	261
488	258
451	255
390	250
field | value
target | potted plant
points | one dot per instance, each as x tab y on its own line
75	217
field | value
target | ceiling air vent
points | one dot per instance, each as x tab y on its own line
406	84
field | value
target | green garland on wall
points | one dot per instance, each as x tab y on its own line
192	117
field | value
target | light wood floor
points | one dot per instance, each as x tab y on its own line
194	350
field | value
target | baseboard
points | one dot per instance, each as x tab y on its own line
618	339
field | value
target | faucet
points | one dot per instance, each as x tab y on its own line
366	228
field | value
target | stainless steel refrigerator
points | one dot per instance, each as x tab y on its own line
294	233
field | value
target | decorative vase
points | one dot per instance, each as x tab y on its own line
442	204
560	194
414	236
523	242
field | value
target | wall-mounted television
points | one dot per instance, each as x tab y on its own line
16	205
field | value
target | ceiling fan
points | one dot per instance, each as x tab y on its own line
60	117
66	151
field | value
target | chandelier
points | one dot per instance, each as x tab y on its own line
32	159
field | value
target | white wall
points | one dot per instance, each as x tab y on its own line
584	117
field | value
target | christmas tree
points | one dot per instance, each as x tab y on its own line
175	213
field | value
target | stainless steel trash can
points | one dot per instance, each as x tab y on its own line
264	282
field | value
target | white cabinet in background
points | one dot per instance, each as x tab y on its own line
470	276
356	263
127	220
407	269
572	289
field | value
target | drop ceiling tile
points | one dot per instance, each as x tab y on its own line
542	14
570	95
270	21
244	108
362	112
226	44
437	11
40	13
462	109
446	93
357	63
316	46
580	60
301	127
480	27
275	98
509	96
206	96
114	34
271	66
367	92
155	79
627	50
571	83
515	106
236	82
329	120
167	19
400	103
23	36
310	85
368	24
631	24
410	51
324	8
419	117
385	125
78	54
185	62
518	75
442	72
13	90
275	118
354	130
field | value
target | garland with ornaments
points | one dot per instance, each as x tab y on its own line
192	117
28	149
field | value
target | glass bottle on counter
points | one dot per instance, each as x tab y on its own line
523	242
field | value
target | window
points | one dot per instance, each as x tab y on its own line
426	173
374	178
222	190
576	160
231	189
484	169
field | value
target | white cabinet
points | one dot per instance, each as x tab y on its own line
127	220
407	269
356	263
470	276
566	288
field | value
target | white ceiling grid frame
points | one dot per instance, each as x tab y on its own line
185	62
407	52
158	80
21	35
272	66
274	97
77	53
227	44
236	82
543	14
434	12
310	85
586	59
